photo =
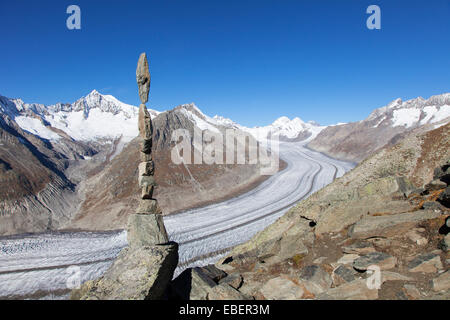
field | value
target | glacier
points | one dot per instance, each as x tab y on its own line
37	265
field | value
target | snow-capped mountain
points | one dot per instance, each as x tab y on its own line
91	118
97	117
283	127
412	113
287	129
355	141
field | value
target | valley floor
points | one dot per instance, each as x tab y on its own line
38	266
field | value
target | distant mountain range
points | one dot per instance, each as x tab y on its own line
356	141
74	165
99	117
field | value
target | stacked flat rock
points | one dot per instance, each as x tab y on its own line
146	227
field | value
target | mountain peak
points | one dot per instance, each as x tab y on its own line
191	107
395	103
281	121
94	92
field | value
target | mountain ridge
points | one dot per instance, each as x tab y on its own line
355	141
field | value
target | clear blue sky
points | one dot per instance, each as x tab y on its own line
250	60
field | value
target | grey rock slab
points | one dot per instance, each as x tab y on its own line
315	279
380	259
212	272
235	280
347	259
281	289
444	198
435	185
426	263
192	284
136	274
442	283
225	292
445	243
146	168
355	290
146	181
146	230
389	225
148	206
145	124
411	291
394	276
343	274
359	247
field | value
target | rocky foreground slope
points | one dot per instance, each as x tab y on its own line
378	232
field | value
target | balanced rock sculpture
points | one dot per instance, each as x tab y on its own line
144	269
146	226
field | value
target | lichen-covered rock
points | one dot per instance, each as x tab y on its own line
342	274
411	291
234	280
386	186
281	289
359	247
435	185
146	168
145	124
427	263
224	292
445	243
380	259
389	224
148	206
145	181
142	273
201	283
315	279
146	230
442	282
147	192
444	197
355	290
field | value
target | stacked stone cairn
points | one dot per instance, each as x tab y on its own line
146	226
145	268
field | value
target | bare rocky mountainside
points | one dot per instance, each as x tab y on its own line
35	192
378	232
356	141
